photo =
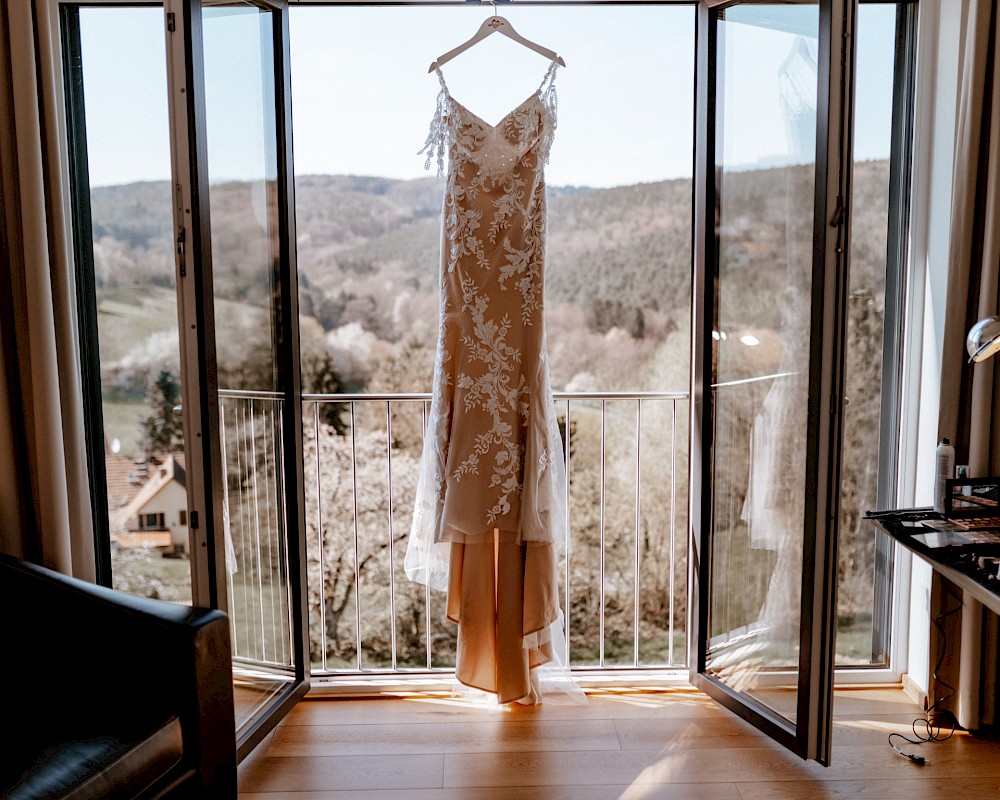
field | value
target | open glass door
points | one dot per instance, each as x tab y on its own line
769	365
242	404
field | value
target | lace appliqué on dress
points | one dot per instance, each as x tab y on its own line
495	384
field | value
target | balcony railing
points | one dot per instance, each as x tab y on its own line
256	545
623	580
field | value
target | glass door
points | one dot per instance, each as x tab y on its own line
119	170
236	237
769	386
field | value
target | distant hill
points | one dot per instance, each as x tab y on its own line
364	240
612	253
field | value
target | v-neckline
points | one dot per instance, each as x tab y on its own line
534	95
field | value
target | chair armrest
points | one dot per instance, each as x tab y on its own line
97	658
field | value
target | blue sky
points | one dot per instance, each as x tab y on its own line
362	97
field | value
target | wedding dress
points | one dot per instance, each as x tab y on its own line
490	513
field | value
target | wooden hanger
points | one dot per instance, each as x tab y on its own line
495	24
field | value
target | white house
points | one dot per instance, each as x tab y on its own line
157	515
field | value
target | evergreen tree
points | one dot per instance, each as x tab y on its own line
320	376
163	430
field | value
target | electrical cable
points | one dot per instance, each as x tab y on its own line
937	724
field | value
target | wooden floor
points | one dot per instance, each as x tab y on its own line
669	745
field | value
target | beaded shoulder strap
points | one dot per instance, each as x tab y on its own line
550	102
548	84
436	144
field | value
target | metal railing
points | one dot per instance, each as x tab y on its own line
254	528
759	429
624	579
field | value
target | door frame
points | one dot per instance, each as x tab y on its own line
810	736
196	316
193	232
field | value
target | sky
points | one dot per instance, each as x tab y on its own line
362	98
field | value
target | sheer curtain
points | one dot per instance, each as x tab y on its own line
969	413
41	413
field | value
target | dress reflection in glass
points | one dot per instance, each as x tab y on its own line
490	512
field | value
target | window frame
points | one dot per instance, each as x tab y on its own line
897	270
75	169
152	521
82	261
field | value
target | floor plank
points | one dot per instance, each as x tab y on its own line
407	708
321	773
497	735
656	734
731	731
903	789
632	767
720	764
702	791
669	745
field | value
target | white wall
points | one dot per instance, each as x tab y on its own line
170	501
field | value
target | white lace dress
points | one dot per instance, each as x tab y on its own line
490	511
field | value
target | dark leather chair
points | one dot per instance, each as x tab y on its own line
111	696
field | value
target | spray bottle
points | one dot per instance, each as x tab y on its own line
944	467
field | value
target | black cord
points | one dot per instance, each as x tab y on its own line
937	724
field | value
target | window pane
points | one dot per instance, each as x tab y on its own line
864	571
124	98
247	265
766	129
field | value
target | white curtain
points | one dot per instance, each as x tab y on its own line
969	393
47	408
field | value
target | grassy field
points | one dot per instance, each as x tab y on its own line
127	317
123	421
144	572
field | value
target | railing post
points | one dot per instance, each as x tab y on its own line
600	644
673	529
319	539
638	525
567	550
357	544
392	561
427	589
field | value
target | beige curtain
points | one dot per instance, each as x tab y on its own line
11	510
969	413
42	401
12	507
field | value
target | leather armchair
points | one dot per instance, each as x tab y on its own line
107	695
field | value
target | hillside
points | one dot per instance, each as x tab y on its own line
356	234
619	262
